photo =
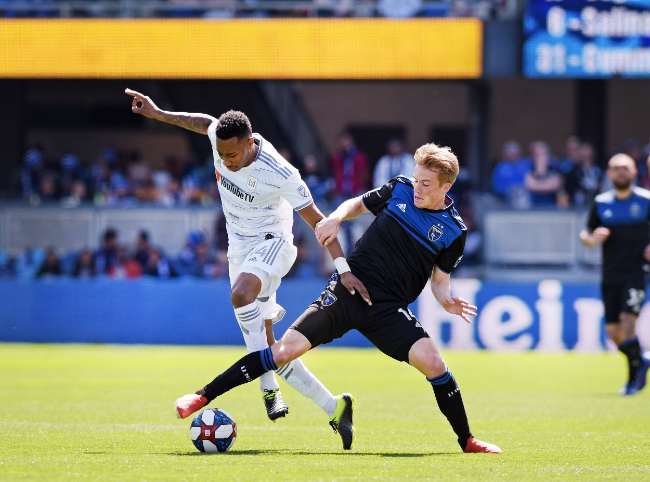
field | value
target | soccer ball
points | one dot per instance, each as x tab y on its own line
213	430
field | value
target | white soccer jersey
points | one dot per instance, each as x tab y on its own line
258	199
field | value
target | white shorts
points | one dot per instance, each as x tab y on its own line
270	261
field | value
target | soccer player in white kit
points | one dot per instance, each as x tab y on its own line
259	190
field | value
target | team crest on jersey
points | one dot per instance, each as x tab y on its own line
251	183
635	210
303	191
435	232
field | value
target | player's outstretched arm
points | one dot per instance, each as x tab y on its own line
327	229
146	107
441	289
313	216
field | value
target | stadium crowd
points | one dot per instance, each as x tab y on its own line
484	9
537	179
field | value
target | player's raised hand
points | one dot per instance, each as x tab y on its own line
600	234
327	230
462	308
142	104
354	284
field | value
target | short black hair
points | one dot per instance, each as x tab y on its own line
110	234
233	123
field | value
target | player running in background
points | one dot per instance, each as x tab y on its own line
258	189
619	220
417	235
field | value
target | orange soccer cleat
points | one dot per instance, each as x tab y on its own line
475	446
190	403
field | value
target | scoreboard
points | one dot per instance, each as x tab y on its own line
586	39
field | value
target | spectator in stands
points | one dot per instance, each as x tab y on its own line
395	161
543	182
126	267
319	185
7	265
48	190
350	167
509	174
85	265
70	170
142	248
159	266
398	9
78	194
168	187
566	164
51	266
33	163
197	260
583	182
106	257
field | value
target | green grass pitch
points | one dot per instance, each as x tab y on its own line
106	413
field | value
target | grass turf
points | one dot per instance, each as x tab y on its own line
106	413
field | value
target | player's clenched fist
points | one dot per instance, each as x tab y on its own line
142	104
600	234
327	230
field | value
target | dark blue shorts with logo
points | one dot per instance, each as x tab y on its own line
391	327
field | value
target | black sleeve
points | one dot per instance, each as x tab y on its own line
450	258
376	199
593	221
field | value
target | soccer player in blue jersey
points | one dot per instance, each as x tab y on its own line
417	236
619	220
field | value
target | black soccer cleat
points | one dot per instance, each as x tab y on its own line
275	405
341	422
641	375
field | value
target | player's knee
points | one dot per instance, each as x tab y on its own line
242	295
428	360
288	349
434	365
282	354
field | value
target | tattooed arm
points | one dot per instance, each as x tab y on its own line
143	105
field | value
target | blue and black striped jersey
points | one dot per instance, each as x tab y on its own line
396	255
627	219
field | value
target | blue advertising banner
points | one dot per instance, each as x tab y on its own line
586	38
547	315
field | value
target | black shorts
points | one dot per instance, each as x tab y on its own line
391	327
622	297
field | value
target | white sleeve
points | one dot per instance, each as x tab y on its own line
296	192
212	134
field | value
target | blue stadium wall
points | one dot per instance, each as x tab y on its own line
548	315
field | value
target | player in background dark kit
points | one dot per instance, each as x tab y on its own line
417	235
619	220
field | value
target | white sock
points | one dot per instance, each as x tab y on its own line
299	377
251	323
